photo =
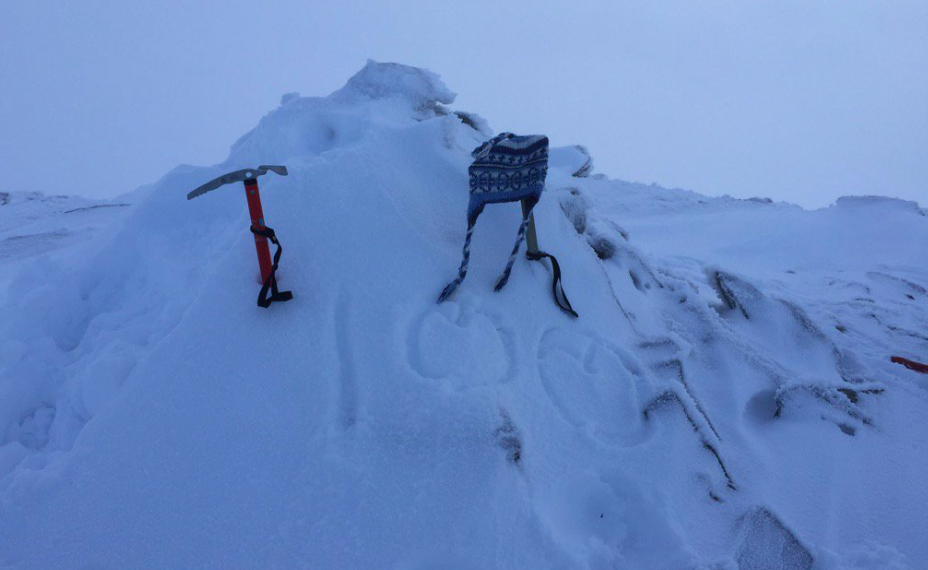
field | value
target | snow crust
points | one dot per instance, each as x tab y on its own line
419	88
882	202
724	401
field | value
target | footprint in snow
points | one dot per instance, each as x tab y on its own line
457	343
621	525
592	385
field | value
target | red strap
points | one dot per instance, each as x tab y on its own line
911	364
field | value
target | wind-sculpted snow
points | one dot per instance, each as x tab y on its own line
419	89
725	399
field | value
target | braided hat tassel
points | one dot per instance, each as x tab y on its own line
450	288
520	237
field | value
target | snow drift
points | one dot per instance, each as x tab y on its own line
725	399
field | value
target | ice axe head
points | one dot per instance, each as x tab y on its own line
237	176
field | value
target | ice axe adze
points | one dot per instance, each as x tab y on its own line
262	233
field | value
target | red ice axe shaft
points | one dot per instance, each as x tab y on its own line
257	222
262	233
911	364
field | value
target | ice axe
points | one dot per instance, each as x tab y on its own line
262	233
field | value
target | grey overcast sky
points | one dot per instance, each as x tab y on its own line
798	100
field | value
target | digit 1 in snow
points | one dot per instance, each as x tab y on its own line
257	222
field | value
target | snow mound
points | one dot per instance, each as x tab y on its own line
303	127
870	202
575	159
730	361
420	88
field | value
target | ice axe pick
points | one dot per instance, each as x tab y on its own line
262	233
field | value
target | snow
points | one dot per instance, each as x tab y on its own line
418	88
725	399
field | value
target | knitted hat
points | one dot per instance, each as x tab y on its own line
506	168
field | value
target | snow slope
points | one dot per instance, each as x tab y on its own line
725	399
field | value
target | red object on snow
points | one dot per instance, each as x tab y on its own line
260	230
911	364
257	222
250	177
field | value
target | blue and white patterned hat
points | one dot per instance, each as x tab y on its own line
506	168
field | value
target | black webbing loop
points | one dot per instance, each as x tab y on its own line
560	298
271	282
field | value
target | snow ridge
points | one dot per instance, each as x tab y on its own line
725	399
